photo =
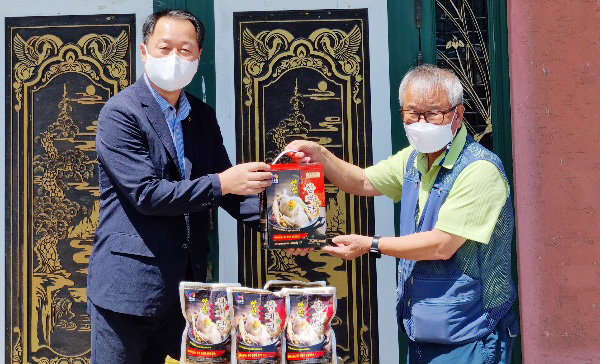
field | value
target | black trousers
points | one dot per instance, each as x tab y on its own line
119	338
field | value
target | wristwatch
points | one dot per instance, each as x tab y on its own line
375	247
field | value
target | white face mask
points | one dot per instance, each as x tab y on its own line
171	72
429	138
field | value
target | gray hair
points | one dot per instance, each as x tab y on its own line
150	23
427	77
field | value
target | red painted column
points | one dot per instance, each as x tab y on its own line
554	58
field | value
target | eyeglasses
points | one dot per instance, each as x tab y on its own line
433	117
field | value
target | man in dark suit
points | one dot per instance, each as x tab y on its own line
162	168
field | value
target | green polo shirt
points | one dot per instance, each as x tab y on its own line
474	203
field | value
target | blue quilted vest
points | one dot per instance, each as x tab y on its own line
460	299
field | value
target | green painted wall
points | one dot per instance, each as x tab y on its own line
501	117
404	47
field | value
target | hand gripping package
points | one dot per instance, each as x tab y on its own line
293	207
258	318
207	335
309	337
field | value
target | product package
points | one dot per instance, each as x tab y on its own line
207	334
293	208
259	318
278	285
309	337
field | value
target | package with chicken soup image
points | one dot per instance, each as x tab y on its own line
309	337
293	213
258	319
207	334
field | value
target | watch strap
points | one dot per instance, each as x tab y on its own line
375	246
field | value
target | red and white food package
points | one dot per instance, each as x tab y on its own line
293	207
309	337
258	320
207	334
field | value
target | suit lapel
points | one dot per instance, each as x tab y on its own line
194	139
156	118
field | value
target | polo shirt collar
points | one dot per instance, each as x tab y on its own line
450	158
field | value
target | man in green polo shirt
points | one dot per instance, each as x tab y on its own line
456	224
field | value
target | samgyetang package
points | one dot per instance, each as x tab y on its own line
207	335
309	337
293	207
258	318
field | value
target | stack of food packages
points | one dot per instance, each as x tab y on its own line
287	322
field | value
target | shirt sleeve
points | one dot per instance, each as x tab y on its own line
387	176
474	203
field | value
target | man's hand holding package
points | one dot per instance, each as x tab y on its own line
245	179
343	246
348	246
307	152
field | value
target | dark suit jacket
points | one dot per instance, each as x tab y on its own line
152	222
